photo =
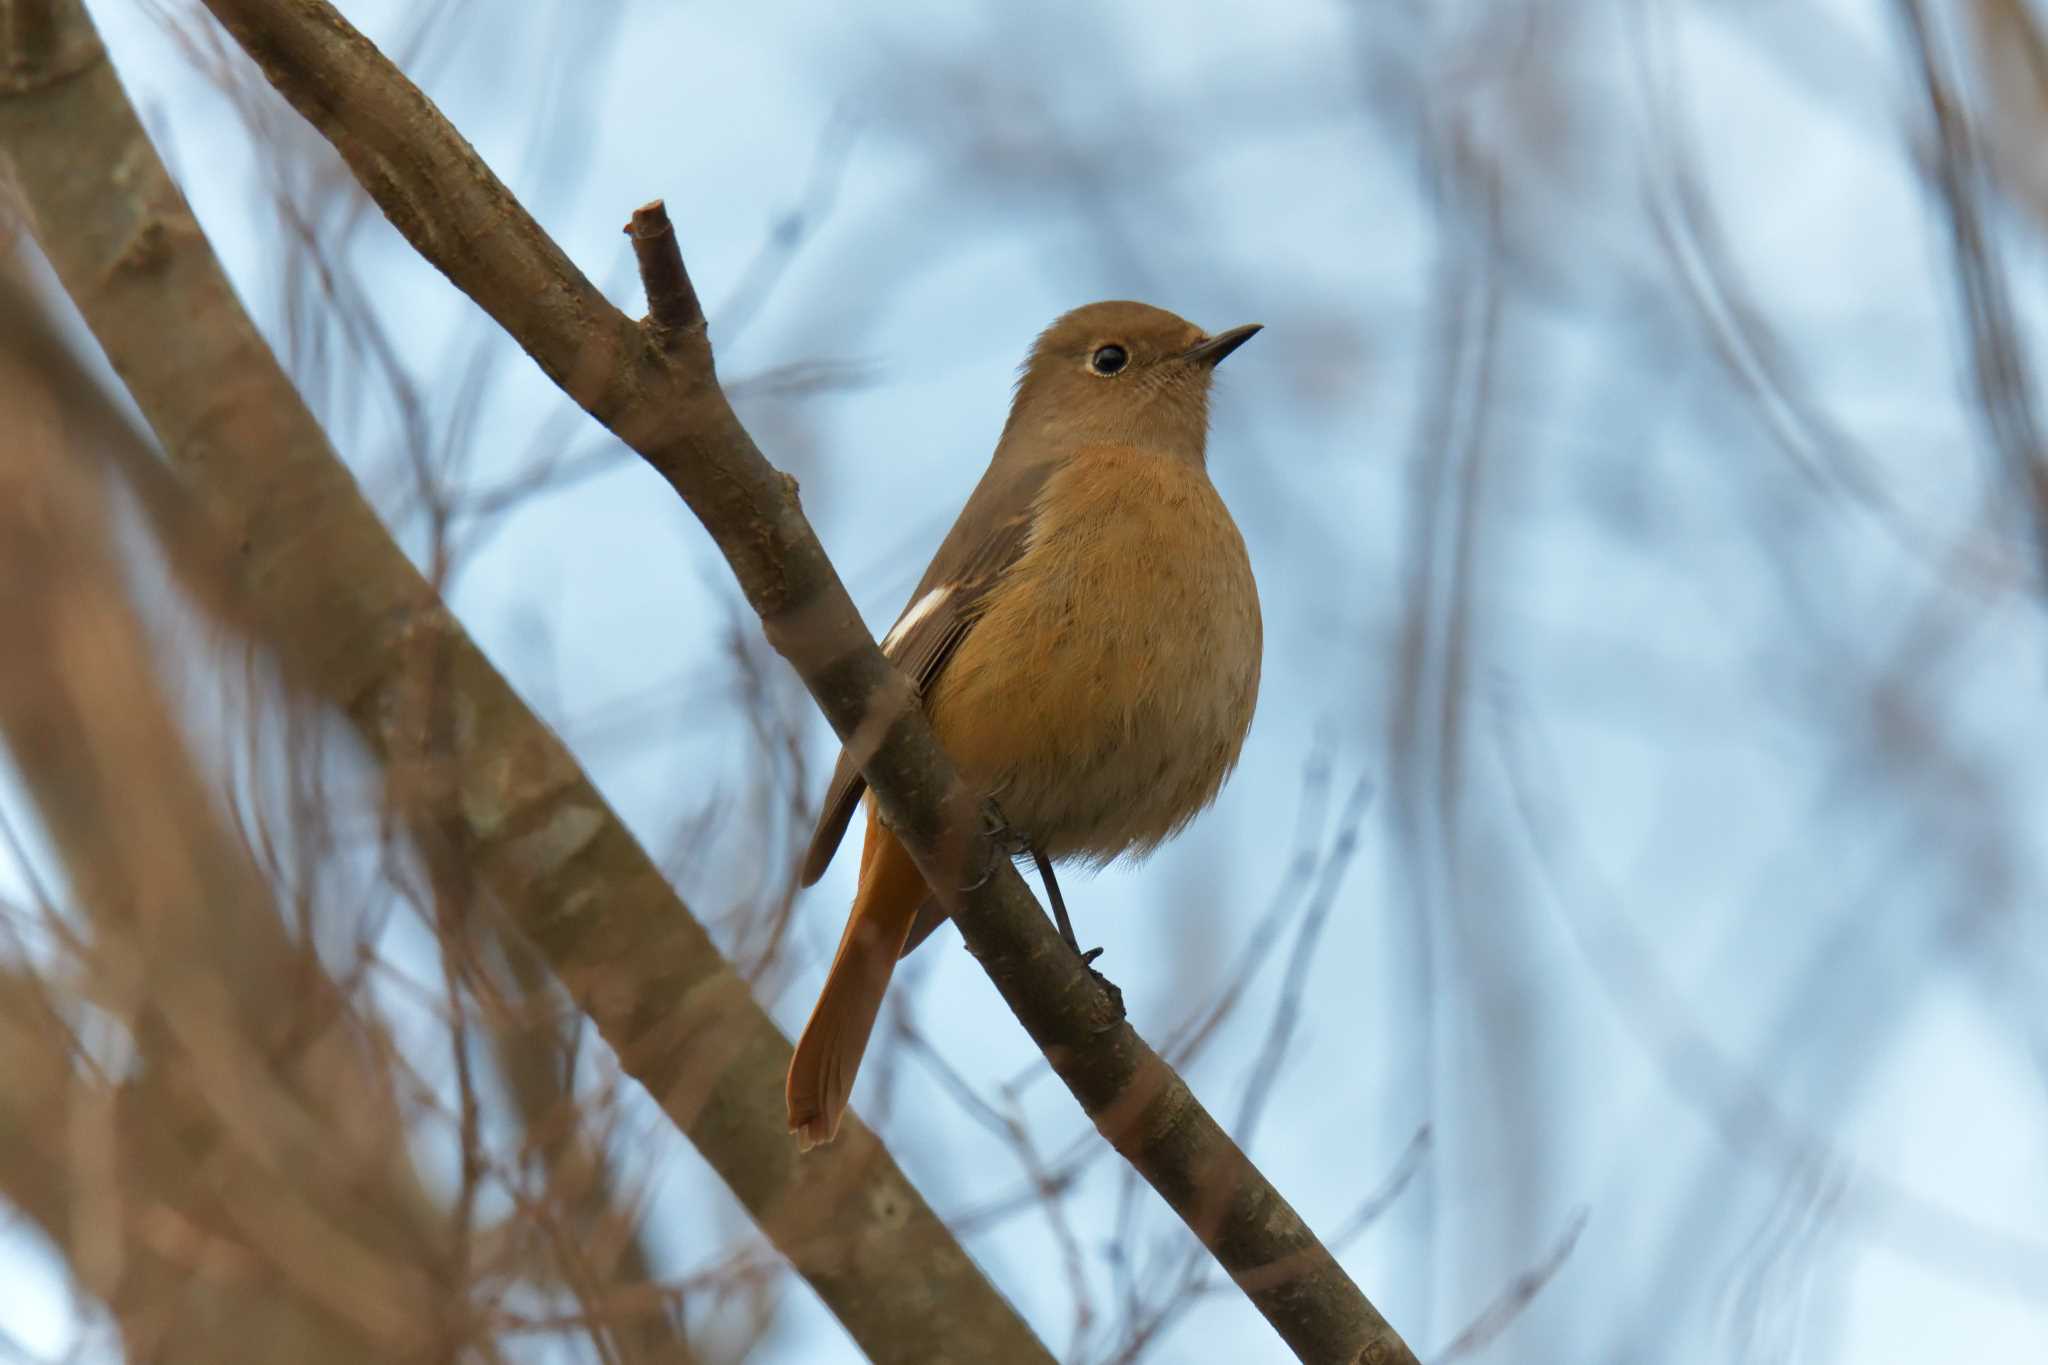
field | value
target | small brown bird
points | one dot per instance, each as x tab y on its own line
1086	642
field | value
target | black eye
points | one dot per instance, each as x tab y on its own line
1109	360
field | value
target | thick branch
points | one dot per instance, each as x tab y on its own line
659	393
353	621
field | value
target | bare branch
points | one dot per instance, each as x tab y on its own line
671	300
1485	1329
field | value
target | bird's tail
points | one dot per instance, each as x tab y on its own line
829	1052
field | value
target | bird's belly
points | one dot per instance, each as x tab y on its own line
1104	695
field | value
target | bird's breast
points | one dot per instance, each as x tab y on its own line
1104	693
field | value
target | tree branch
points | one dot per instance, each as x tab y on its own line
352	621
671	299
658	392
1998	357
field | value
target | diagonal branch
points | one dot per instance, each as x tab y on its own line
1998	357
655	387
352	621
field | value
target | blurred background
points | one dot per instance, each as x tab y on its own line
1623	939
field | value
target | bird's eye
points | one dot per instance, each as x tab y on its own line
1109	359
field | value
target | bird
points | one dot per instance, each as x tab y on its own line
1086	643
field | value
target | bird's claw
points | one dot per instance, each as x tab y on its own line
1116	996
1000	831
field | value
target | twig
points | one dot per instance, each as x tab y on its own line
1287	1012
1509	1303
1375	1204
671	299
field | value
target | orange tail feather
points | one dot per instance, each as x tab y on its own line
828	1054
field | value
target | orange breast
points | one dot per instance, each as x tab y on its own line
1105	692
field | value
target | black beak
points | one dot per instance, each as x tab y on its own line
1212	351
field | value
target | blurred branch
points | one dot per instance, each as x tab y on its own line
655	387
1485	1329
1743	1109
352	621
1998	358
1760	366
526	1013
2011	70
242	1192
600	1248
770	266
1308	935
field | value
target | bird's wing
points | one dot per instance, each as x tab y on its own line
985	541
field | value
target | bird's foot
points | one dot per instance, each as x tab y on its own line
1008	840
1116	996
1000	831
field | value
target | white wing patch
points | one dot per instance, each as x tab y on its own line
923	607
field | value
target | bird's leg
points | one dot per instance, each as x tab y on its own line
1059	906
1059	915
1014	841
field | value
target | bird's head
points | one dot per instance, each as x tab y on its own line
1123	373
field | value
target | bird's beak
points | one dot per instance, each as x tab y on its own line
1212	351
